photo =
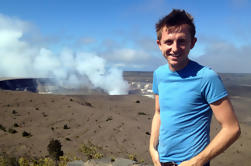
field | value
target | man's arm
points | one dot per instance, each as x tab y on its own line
230	131
155	133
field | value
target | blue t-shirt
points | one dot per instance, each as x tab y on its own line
185	113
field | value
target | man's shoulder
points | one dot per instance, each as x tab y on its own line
209	73
161	69
204	71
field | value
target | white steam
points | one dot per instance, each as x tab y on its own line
71	69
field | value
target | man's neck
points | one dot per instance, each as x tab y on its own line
178	67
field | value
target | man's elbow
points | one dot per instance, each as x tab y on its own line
236	131
239	131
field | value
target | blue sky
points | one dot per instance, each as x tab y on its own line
122	31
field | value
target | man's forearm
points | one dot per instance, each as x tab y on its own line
221	142
155	131
230	130
154	139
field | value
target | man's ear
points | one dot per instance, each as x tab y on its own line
159	43
194	40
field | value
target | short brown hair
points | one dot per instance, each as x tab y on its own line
174	19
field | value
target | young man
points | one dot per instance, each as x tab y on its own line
186	95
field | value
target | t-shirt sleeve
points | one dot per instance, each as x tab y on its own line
155	84
212	86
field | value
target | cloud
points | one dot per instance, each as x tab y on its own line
72	69
13	23
224	56
86	40
131	58
132	51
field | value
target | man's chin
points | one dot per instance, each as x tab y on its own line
173	63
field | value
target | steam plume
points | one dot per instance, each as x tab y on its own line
71	69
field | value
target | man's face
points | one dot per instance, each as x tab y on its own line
175	45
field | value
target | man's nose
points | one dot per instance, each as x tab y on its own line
175	47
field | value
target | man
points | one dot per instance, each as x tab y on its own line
186	95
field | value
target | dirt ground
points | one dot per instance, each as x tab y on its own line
119	125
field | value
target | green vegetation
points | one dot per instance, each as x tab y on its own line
2	128
91	151
12	131
109	118
3	161
14	112
88	104
56	157
54	149
67	139
132	157
66	126
12	161
8	161
141	113
26	134
16	125
112	159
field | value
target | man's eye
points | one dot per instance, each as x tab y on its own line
182	41
168	42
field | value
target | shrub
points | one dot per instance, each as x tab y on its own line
88	104
109	118
67	139
148	133
16	125
14	111
112	159
66	127
54	149
26	134
132	157
141	113
32	162
6	160
2	127
3	161
90	150
12	131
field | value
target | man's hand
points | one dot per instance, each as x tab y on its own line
155	157
191	162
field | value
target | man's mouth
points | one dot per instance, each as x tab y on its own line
175	55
